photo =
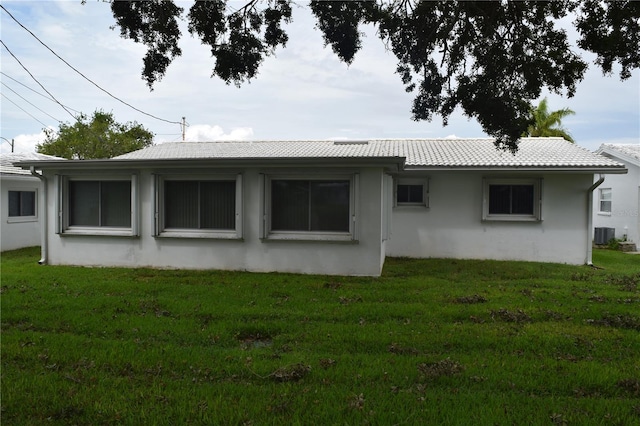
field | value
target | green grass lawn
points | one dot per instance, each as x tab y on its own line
430	342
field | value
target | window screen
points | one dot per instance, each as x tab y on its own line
100	203
310	205
22	203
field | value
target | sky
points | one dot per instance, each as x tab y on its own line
302	92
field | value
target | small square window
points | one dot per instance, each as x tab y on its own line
22	203
412	192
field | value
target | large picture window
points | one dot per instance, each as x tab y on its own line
512	199
318	208
95	206
100	203
203	207
22	204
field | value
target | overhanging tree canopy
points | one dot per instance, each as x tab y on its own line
491	58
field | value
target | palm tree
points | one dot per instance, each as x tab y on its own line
547	123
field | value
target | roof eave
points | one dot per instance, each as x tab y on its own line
396	162
559	169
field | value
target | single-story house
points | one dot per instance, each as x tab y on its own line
322	207
19	217
617	202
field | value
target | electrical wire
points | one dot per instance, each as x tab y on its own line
35	91
35	79
84	76
23	110
27	101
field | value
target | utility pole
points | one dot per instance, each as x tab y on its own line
184	127
10	143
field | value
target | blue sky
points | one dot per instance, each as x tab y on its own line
303	92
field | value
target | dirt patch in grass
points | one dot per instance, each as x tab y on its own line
505	315
468	300
290	373
629	322
445	367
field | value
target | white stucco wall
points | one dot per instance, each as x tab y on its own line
364	257
18	232
625	203
452	226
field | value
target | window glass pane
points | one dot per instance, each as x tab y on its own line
27	203
329	206
402	193
499	199
84	203
290	205
415	194
218	205
522	199
605	200
14	203
181	204
115	203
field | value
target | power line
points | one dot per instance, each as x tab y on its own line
23	110
27	101
35	79
84	76
35	91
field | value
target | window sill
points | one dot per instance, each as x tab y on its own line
604	213
511	218
22	219
310	236
99	232
411	206
214	235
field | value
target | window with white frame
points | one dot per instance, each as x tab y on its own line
98	206
604	198
22	204
199	206
316	208
412	192
512	199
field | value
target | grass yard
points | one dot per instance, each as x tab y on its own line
430	342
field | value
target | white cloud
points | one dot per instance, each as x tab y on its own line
208	133
23	143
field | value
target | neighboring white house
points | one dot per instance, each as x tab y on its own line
617	202
20	225
322	207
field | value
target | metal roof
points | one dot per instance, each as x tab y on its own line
7	162
419	153
629	152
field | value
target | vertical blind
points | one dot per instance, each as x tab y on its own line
199	204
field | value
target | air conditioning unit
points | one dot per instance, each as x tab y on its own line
604	235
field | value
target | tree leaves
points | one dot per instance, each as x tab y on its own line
239	40
492	59
548	123
100	137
